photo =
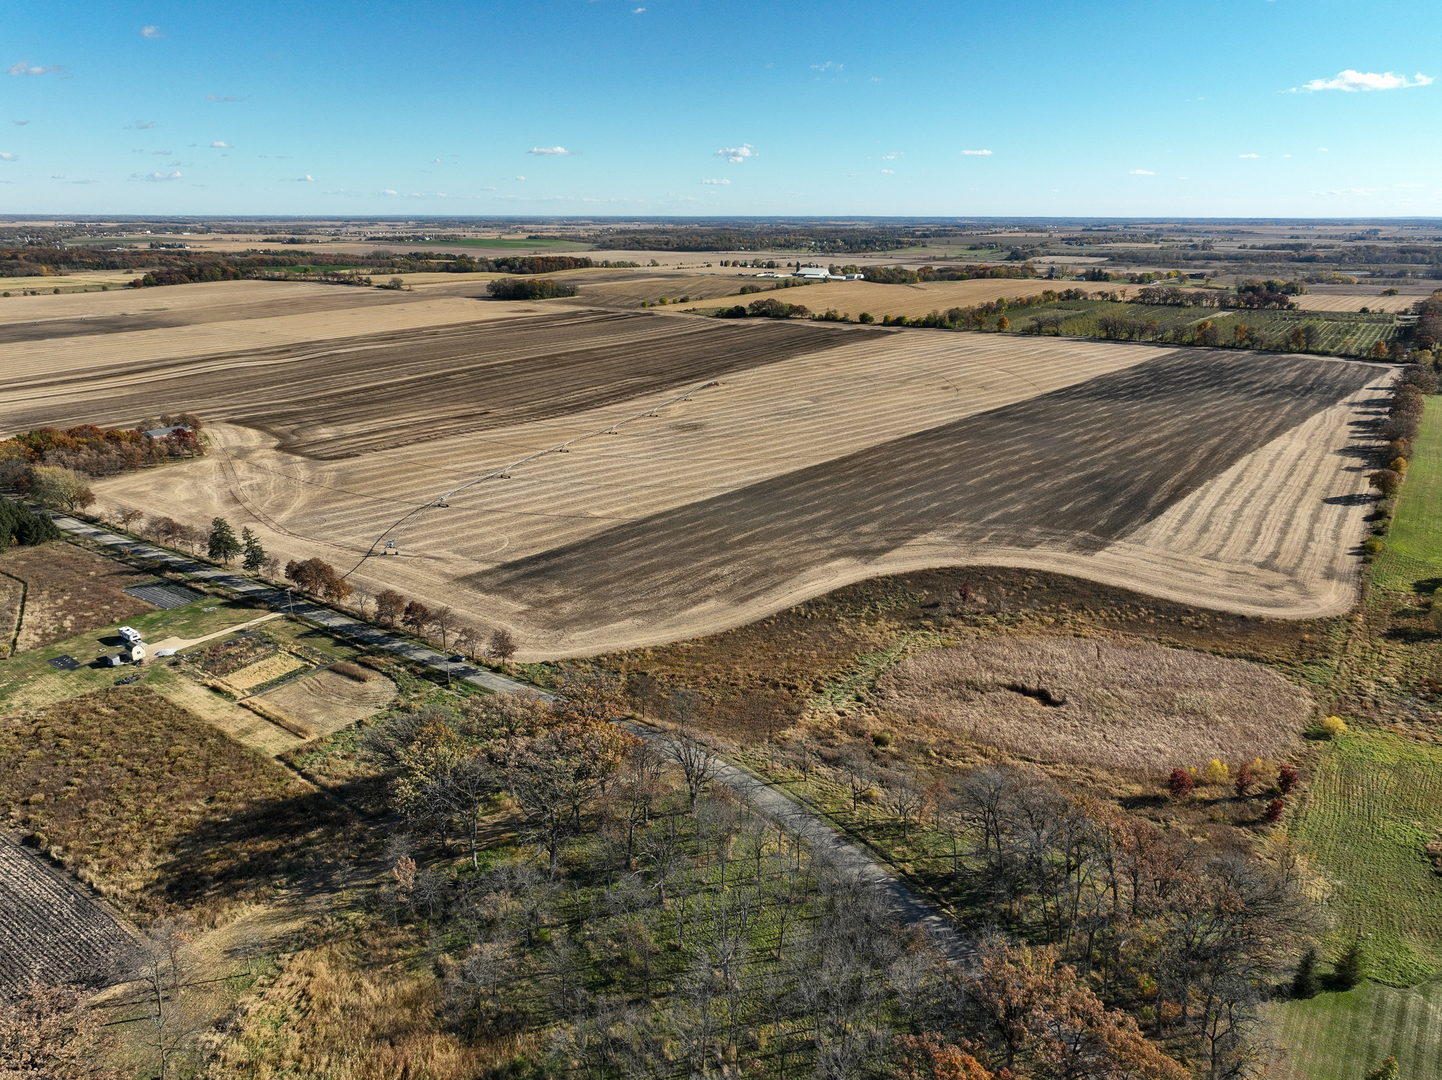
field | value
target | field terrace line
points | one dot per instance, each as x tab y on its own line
851	858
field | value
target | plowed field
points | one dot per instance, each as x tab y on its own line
827	453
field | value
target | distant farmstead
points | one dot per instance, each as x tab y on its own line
166	432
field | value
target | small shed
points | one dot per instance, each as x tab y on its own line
134	652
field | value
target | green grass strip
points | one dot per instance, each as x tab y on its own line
1414	546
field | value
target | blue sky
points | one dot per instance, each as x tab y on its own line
1038	107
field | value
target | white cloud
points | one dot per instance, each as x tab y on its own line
387	191
437	161
218	145
82	181
24	67
1351	82
637	11
155	177
830	65
20	123
1322	150
550	151
976	153
737	154
1249	155
1141	172
892	156
889	172
715	181
151	32
61	176
520	178
215	97
8	157
306	179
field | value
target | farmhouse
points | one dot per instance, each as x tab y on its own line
166	432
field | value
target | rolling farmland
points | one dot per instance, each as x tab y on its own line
826	453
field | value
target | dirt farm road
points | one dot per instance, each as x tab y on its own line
851	858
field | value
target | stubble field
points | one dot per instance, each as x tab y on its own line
826	454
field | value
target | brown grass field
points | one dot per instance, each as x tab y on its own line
186	816
828	453
1088	702
326	702
70	591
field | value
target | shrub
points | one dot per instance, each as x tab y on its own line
1275	809
351	671
1244	780
882	739
1387	481
867	317
1374	546
1388	1070
1003	323
1180	783
1334	726
1216	772
1287	779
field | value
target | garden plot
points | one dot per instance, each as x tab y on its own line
327	701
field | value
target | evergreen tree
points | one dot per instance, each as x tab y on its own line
222	544
254	553
1350	968
1304	982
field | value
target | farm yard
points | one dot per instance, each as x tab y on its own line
1013	448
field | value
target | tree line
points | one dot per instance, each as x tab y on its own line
523	289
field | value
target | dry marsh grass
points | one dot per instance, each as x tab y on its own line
354	1010
155	807
71	591
1089	702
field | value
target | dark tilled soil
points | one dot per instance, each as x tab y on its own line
51	931
399	388
1075	469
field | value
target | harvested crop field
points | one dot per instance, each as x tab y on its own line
354	395
1355	302
69	590
51	931
854	297
820	454
638	286
326	702
1089	702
